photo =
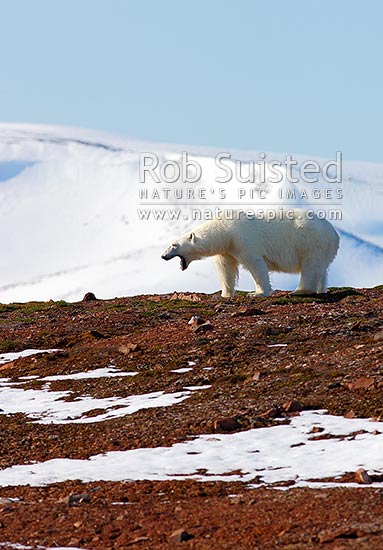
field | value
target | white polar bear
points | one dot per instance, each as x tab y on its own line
292	242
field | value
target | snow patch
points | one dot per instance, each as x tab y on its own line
56	407
8	357
105	372
182	370
277	454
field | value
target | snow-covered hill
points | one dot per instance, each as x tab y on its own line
69	222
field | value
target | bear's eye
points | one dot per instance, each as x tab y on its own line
174	245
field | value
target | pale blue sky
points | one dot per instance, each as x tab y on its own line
293	76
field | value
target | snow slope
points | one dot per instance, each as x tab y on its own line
69	222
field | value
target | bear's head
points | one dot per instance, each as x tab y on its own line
185	248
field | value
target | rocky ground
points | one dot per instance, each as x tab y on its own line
331	358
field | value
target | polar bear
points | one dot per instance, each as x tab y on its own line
290	241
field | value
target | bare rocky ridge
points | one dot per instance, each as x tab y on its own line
263	358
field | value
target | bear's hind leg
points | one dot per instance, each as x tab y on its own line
260	274
313	277
227	269
322	288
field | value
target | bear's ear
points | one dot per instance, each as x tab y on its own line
192	238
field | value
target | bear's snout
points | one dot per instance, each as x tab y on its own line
172	253
167	255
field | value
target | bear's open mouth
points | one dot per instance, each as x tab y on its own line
183	263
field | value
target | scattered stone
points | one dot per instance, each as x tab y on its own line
334	385
237	499
84	337
77	524
164	316
196	320
89	297
5	503
129	348
7	365
223	306
188	297
74	498
257	376
316	430
350	414
92	334
378	336
356	325
279	484
180	535
55	355
247	312
137	540
283	532
205	327
226	425
74	543
292	407
274	412
362	477
259	422
364	383
352	531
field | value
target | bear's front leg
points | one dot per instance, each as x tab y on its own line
227	269
260	274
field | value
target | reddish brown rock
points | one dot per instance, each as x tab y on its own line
128	348
183	296
195	321
378	336
226	425
7	365
316	430
180	535
362	477
86	336
353	531
89	297
247	312
137	540
205	327
292	407
274	412
364	383
75	498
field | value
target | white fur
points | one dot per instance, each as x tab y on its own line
297	245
